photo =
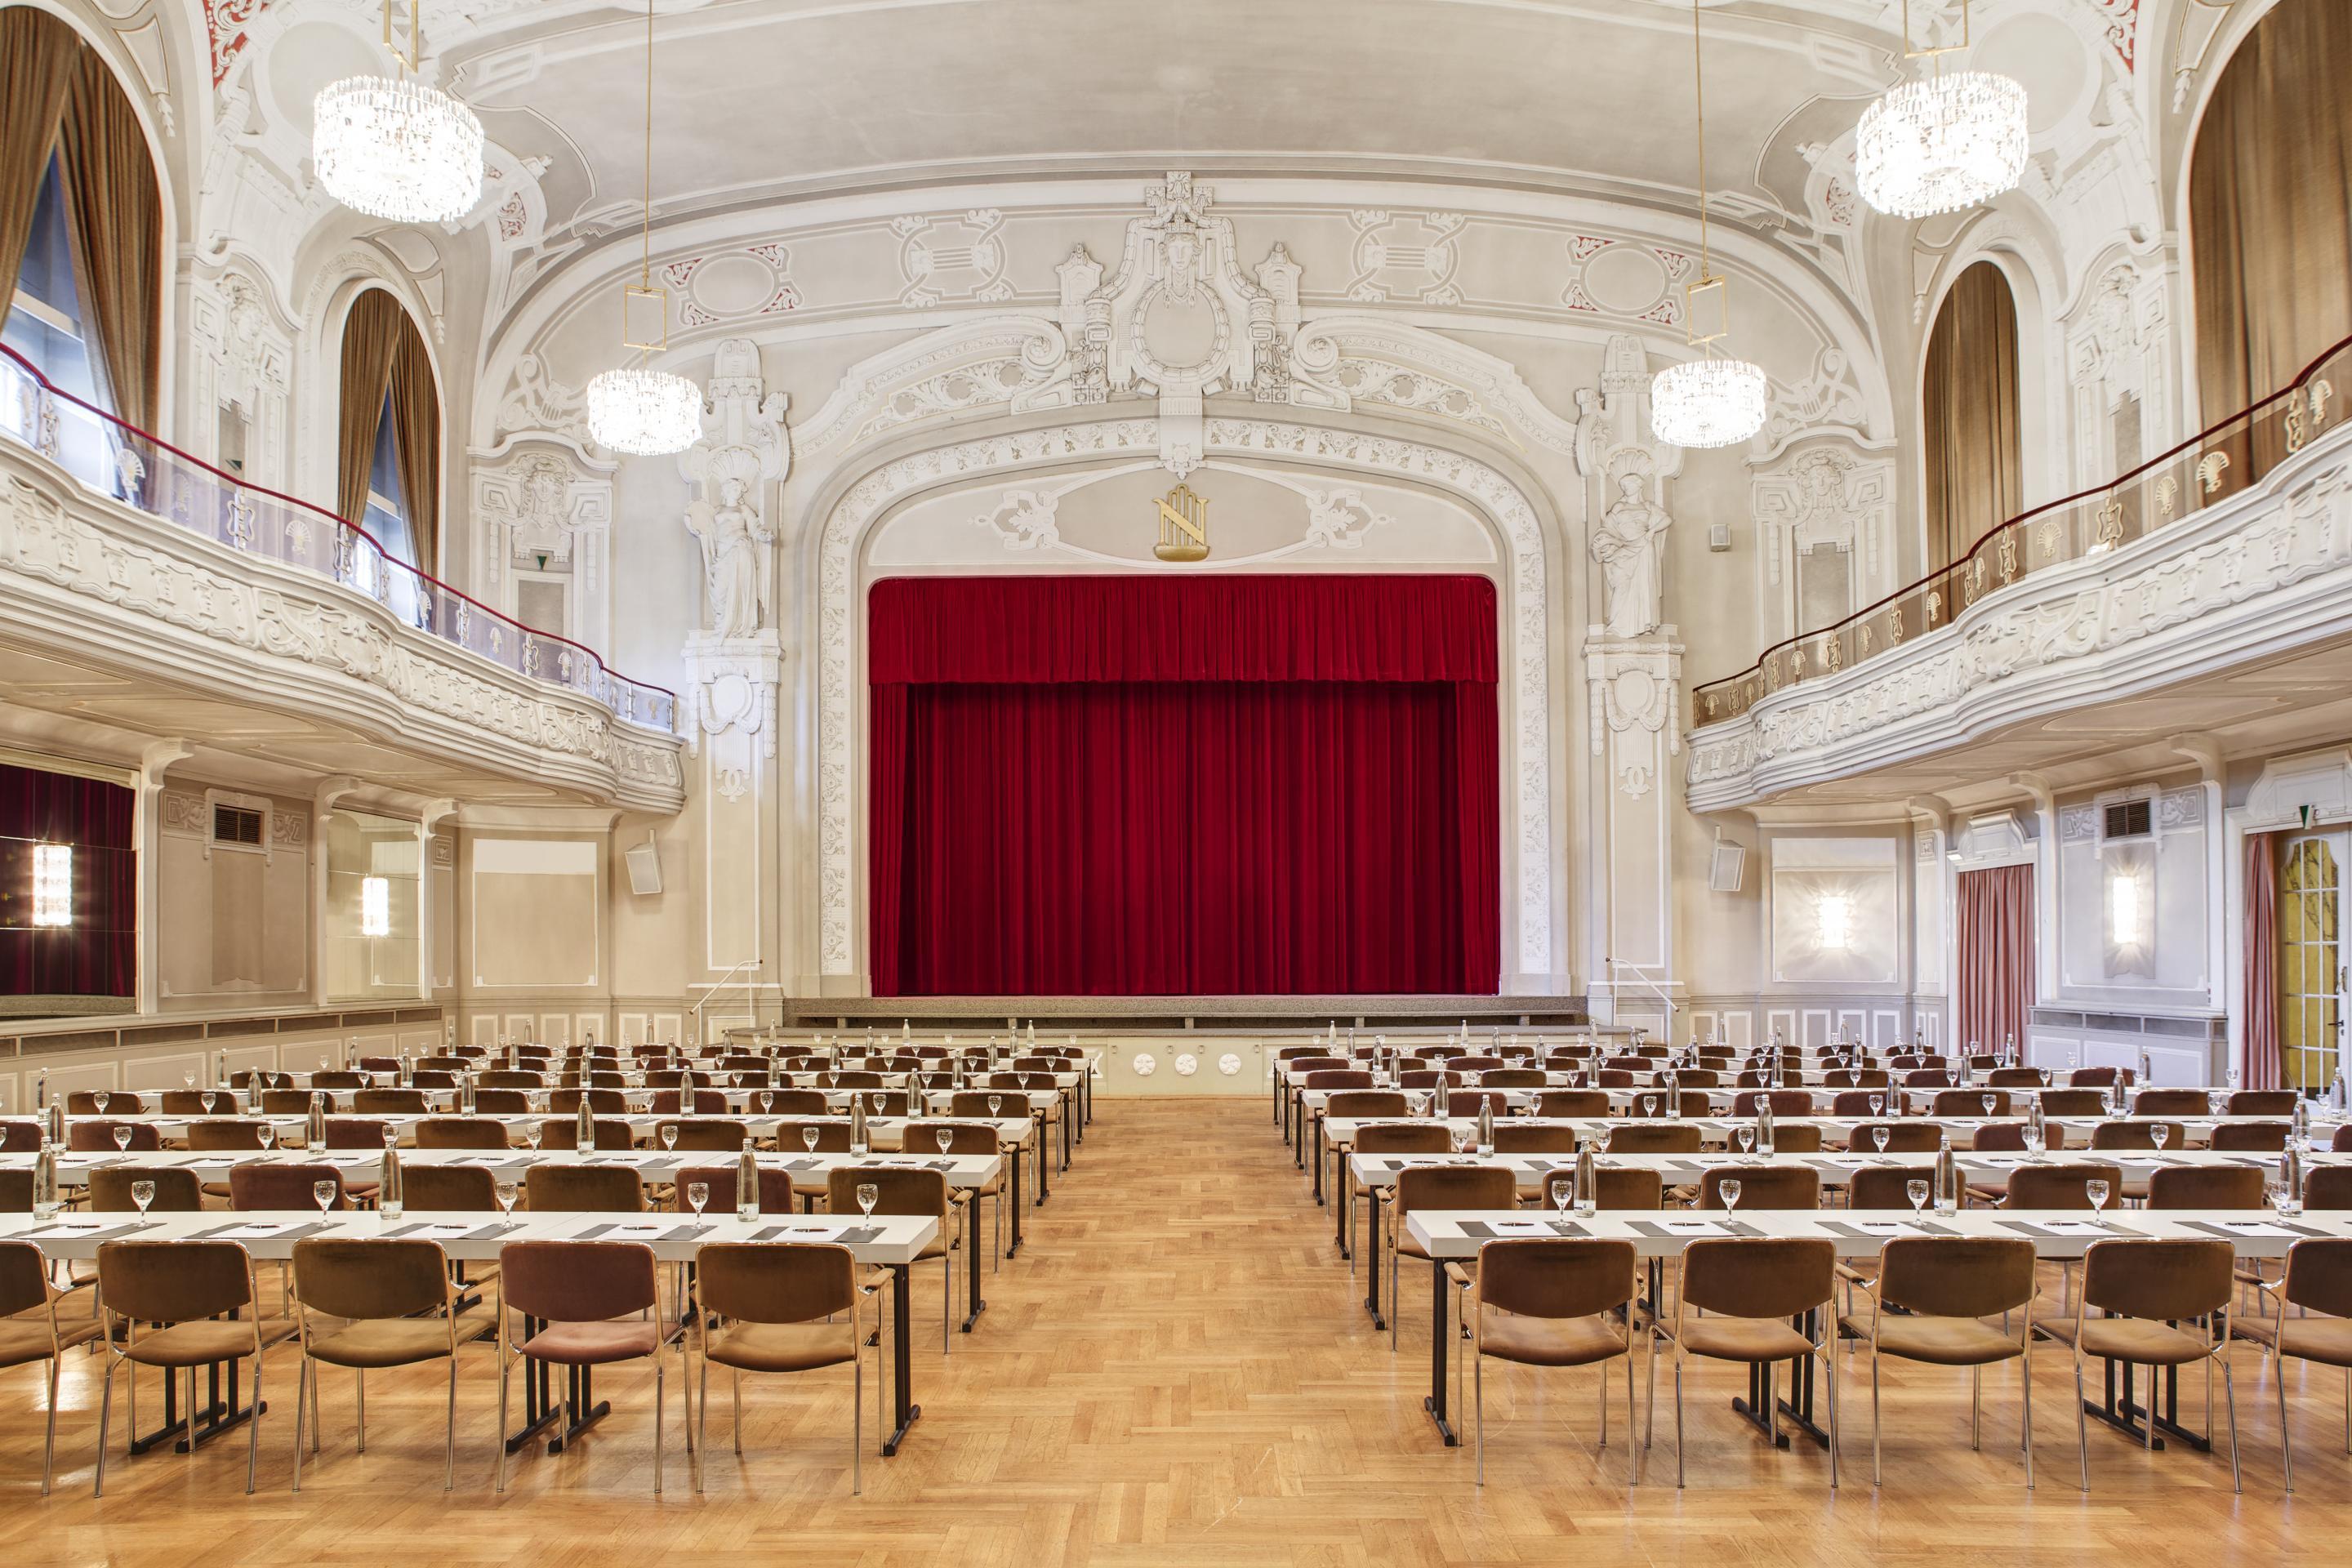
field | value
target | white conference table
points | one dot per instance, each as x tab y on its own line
888	1241
1659	1237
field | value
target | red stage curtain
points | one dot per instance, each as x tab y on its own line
1196	786
1996	953
98	954
2262	1000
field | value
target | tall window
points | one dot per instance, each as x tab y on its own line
2310	958
1969	400
2270	220
389	432
45	324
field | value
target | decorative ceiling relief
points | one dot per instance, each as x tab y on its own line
536	404
2121	20
1406	257
732	286
957	257
225	25
1630	281
1827	402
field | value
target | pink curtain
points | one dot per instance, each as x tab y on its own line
2261	1004
1996	954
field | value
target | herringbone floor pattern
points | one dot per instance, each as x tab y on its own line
1175	1373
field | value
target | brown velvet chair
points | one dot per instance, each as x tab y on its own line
600	1102
2329	1187
1882	1187
2205	1187
2062	1186
707	1101
2073	1102
892	1102
1653	1138
1547	1301
119	1103
18	1137
2251	1137
89	1137
2163	1303
600	1303
285	1101
509	1077
1945	1287
1797	1138
1762	1186
1785	1102
183	1292
397	1308
1438	1187
431	1187
1963	1103
2014	1078
791	1101
2172	1102
2318	1284
30	1327
1581	1104
564	1132
2262	1102
1856	1102
832	1133
584	1189
775	1189
176	1190
703	1134
502	1102
906	1192
1649	1104
389	1101
774	1306
2008	1137
1362	1104
1513	1077
253	1185
199	1102
2137	1133
1630	1188
460	1133
1754	1285
1902	1138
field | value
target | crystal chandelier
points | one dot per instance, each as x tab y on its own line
395	148
636	408
1943	142
646	412
1710	401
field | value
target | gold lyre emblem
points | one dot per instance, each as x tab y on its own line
2208	469
1862	639
2298	430
2008	555
2111	523
1833	653
1183	525
1894	625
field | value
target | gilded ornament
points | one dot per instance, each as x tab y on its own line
1935	605
2168	494
1862	639
1895	623
1833	655
2111	523
2008	555
2210	467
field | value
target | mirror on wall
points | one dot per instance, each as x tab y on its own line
373	867
69	895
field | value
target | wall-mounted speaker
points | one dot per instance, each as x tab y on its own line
1727	867
645	867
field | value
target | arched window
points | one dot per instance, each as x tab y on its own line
2270	222
82	223
389	457
1971	402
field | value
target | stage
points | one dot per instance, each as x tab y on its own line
1129	1015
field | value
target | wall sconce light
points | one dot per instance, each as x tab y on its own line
1837	921
375	905
53	884
2123	911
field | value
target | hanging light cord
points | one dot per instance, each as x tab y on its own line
1699	86
645	262
411	61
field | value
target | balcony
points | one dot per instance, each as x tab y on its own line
143	589
2185	598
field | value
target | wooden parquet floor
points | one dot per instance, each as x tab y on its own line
1175	1373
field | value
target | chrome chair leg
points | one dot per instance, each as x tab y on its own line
449	1438
252	1424
2081	1425
2286	1438
2230	1398
2025	1364
105	1417
1479	1402
49	1447
302	1407
1678	1422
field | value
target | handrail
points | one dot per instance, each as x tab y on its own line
436	607
2132	504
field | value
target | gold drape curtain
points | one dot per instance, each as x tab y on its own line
371	342
115	213
382	354
36	68
2270	223
1971	411
417	443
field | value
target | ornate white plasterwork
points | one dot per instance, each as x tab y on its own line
1830	495
730	702
1635	686
1525	635
1374	359
1827	402
2087	629
969	366
1026	518
92	568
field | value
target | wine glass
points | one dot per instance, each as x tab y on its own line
1878	1135
1916	1189
995	1103
1728	1191
2160	1134
1990	1101
668	1136
696	1195
142	1193
2285	1199
1878	1105
322	1193
1563	1191
534	1133
265	1135
2095	1189
508	1192
1747	1136
869	1195
808	1139
122	1135
767	1102
1649	1105
874	1104
102	1100
188	1080
944	1136
2045	1077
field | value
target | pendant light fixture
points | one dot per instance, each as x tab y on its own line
1710	401
635	408
1944	141
397	148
